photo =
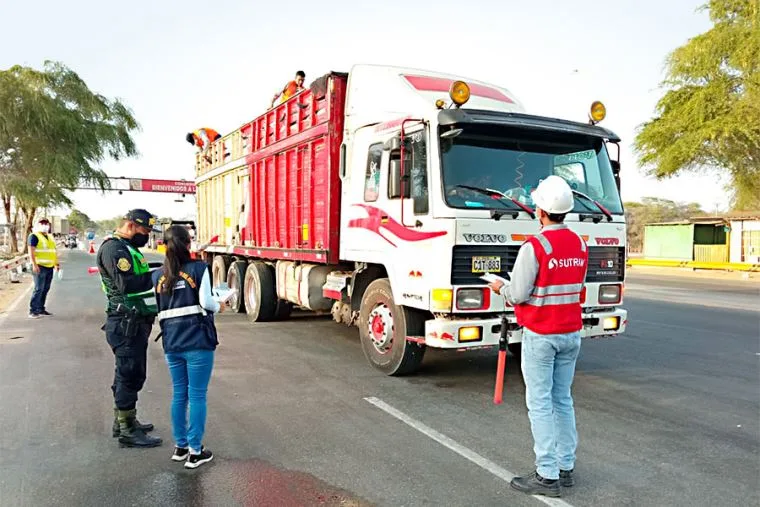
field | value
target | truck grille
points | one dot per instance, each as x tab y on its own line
606	264
461	265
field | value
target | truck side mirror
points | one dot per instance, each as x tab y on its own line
395	179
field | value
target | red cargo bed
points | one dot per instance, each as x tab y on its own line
293	163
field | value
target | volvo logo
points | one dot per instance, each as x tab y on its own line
485	238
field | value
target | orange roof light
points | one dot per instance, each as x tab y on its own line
459	93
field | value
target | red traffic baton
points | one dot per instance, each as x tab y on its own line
501	365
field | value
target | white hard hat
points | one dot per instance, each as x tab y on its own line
553	195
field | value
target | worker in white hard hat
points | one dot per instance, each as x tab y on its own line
545	291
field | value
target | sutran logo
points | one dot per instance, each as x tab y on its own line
570	262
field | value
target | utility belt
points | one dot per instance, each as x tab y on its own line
131	320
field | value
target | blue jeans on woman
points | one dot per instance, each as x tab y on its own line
191	372
548	366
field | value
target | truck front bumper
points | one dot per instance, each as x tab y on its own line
455	332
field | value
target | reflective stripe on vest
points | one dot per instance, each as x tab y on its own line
554	306
144	301
45	252
182	311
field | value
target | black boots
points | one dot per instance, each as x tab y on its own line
117	430
130	435
534	484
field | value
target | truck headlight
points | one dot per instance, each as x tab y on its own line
473	299
609	294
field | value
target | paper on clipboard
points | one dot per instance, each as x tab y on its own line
223	294
490	278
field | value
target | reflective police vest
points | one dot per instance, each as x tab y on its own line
185	324
554	307
44	252
145	301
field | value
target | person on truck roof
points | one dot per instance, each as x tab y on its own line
202	138
291	88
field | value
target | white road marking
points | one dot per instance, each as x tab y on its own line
463	451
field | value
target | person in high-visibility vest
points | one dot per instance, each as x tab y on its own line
545	290
44	260
291	88
131	311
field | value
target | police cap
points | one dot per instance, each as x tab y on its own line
142	217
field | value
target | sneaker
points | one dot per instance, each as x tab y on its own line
180	454
34	315
45	312
566	478
196	460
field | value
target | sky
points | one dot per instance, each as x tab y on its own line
183	65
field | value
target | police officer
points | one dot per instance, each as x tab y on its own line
131	311
545	290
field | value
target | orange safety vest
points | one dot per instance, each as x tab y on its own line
290	89
211	133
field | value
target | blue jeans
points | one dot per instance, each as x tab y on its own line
548	366
42	281
191	372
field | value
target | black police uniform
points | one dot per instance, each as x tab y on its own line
127	333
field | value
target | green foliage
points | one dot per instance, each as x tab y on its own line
652	210
54	131
80	221
106	226
709	117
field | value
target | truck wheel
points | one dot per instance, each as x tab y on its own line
219	268
383	328
515	349
235	279
260	296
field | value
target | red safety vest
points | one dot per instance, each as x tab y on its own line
555	305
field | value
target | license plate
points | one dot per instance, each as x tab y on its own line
483	264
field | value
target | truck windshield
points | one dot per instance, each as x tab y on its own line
513	162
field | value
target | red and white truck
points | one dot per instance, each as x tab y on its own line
383	195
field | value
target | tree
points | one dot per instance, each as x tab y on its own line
54	131
109	225
80	221
709	117
652	210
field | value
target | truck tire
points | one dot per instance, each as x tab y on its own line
259	290
235	280
219	267
383	328
515	349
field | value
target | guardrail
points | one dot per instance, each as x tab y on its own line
18	261
721	266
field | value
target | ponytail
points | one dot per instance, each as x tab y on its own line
177	241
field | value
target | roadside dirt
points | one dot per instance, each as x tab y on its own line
10	291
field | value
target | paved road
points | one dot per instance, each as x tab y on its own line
667	414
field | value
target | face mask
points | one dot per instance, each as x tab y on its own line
139	240
45	228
